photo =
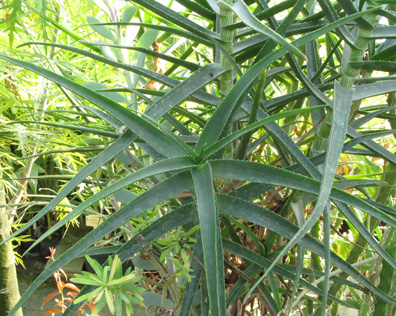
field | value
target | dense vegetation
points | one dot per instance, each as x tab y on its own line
241	152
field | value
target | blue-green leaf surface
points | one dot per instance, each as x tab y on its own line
243	12
211	240
167	165
162	142
280	225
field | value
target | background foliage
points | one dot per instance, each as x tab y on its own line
241	150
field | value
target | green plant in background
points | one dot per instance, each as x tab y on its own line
257	102
62	299
113	288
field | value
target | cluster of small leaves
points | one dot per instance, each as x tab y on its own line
65	298
114	288
176	246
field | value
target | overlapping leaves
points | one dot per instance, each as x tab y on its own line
189	165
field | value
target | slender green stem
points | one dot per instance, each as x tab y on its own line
227	36
349	74
226	80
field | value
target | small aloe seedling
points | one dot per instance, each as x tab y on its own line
113	288
65	299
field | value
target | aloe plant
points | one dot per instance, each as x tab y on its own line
258	104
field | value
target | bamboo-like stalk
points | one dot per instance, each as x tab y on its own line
349	75
9	291
227	36
226	80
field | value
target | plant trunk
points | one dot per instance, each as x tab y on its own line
226	80
9	291
226	19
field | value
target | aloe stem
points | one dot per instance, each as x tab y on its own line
226	80
349	74
227	36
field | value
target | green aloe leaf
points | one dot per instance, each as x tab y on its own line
103	90
101	29
280	225
383	32
165	28
213	4
174	137
145	41
263	262
155	230
176	18
199	9
342	105
204	97
106	155
348	213
192	287
252	127
219	119
363	138
358	225
239	288
332	15
387	66
350	8
162	142
177	61
255	172
373	146
72	127
267	13
163	191
373	89
244	13
66	150
366	118
195	82
129	13
387	53
163	166
211	240
282	137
